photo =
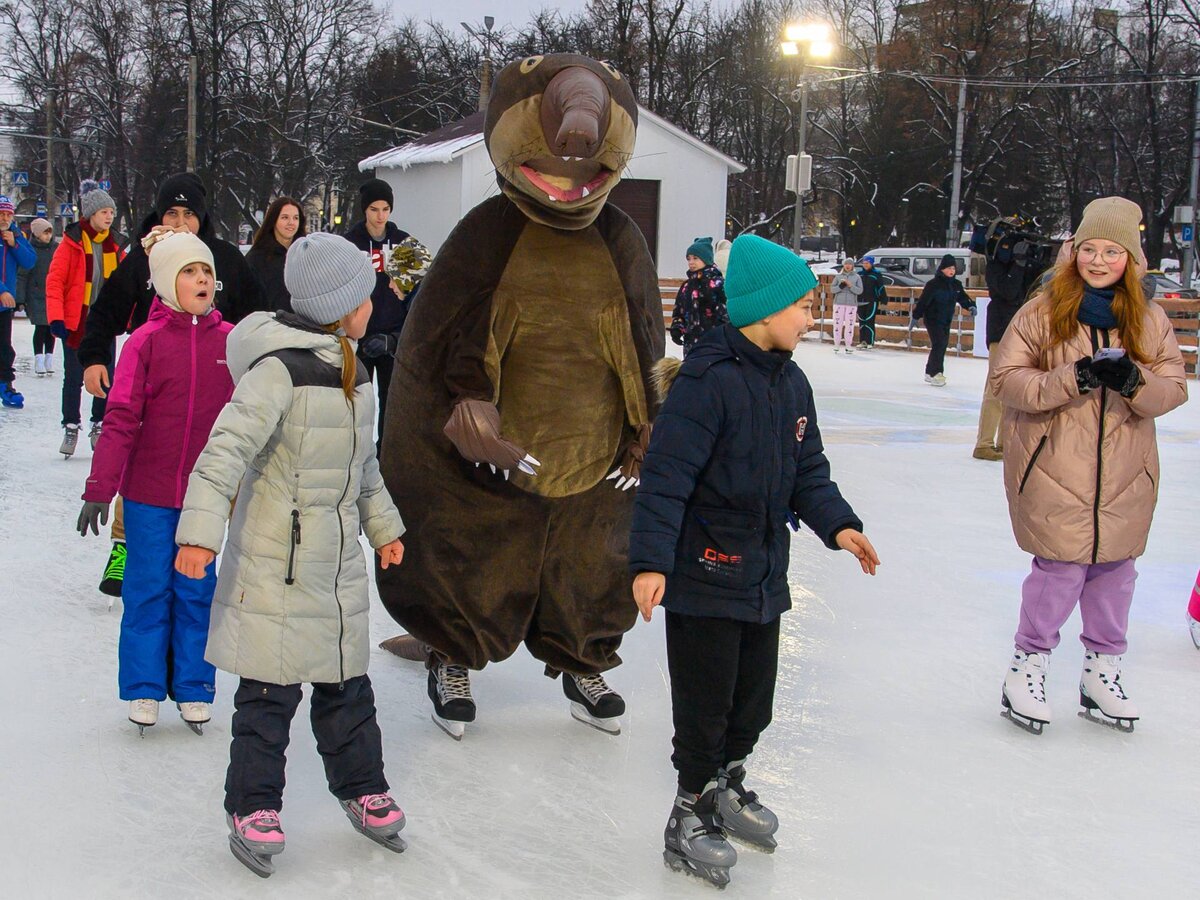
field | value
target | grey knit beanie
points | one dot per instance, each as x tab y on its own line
93	200
1112	219
327	277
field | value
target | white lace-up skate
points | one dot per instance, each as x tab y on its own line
1101	695
143	713
1024	695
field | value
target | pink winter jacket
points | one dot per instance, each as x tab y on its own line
1081	470
170	383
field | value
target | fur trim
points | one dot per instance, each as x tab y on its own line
663	376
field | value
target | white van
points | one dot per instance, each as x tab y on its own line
922	262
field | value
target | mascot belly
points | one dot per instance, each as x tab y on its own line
521	383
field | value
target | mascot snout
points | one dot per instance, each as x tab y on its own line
575	110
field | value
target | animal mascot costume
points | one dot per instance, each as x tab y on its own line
523	402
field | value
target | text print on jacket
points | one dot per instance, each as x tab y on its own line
291	602
736	455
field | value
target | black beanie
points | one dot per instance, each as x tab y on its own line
181	189
948	262
375	189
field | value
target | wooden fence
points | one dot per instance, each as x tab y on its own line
895	328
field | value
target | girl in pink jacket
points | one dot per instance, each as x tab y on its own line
1083	371
171	382
1194	613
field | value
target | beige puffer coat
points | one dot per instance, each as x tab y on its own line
1081	470
291	602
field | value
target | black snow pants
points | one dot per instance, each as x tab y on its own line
343	721
939	339
722	691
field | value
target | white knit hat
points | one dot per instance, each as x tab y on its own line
169	256
327	277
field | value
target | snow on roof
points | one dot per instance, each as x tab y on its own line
449	142
442	145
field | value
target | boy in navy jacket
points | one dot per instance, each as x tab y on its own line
735	458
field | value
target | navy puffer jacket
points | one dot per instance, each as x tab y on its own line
735	457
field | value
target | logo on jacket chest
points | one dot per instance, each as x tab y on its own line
801	426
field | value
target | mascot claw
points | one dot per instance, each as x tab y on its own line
624	482
527	465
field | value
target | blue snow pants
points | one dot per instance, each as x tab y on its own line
164	628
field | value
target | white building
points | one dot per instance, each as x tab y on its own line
674	188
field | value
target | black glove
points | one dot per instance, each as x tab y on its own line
1119	375
376	345
59	329
93	515
1085	377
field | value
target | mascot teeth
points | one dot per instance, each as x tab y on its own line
585	192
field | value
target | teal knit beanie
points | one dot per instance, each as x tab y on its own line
763	278
702	248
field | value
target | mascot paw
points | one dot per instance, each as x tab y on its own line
629	474
474	429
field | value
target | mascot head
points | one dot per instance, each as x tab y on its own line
560	129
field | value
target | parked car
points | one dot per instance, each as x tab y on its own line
896	278
922	262
1167	288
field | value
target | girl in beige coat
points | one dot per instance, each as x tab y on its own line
1082	372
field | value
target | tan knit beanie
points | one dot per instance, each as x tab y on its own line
1112	219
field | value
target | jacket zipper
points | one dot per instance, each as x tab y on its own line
342	543
295	542
187	427
1032	460
1096	341
777	464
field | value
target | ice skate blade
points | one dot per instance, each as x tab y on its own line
762	843
456	730
1033	726
1125	726
259	864
141	727
197	727
717	876
392	842
609	726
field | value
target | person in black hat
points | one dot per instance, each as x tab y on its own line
936	307
376	235
123	304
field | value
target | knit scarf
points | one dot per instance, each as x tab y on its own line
93	241
1096	308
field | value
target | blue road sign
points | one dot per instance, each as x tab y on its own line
66	209
41	209
106	185
20	179
1187	234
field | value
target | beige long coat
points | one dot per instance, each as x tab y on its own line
1081	470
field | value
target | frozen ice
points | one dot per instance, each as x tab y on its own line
888	763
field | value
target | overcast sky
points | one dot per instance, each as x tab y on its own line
506	12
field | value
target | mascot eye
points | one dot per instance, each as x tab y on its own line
612	70
529	63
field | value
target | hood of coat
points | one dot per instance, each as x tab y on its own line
261	333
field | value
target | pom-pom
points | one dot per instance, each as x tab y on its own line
87	186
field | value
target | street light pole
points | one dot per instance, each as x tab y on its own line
798	224
1189	252
953	232
51	207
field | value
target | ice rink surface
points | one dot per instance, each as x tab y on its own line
888	762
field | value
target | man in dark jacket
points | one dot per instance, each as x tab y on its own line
376	235
936	307
124	301
735	457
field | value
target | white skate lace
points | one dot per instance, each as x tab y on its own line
453	683
146	706
593	686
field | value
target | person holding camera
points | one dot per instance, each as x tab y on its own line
847	287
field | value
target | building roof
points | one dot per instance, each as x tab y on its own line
449	142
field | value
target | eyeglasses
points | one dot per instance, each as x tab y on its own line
1110	255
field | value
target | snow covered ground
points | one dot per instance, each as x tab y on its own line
888	763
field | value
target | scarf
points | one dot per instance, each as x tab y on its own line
1096	308
109	255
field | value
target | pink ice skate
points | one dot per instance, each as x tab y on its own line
255	838
378	817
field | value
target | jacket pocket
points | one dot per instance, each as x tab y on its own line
293	543
1032	460
723	547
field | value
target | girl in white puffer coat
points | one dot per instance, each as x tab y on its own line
295	446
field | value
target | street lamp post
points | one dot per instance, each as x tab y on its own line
805	42
485	73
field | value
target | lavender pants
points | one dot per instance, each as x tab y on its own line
1048	597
